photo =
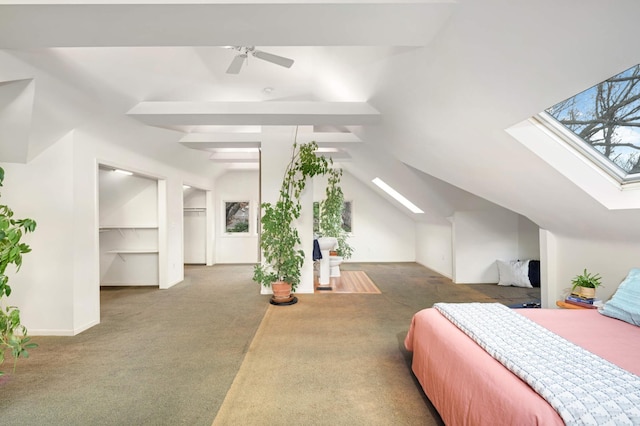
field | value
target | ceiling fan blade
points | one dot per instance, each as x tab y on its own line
275	59
236	64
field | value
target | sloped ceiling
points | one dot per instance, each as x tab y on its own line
447	78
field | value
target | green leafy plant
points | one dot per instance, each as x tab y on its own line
587	280
331	209
280	242
13	335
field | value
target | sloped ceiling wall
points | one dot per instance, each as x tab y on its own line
447	77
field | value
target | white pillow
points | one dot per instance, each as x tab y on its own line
515	273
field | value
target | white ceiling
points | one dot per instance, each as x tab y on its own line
444	78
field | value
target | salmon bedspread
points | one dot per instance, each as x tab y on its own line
469	387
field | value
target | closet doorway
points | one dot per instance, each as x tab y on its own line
195	226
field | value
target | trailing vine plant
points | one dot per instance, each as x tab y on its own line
280	242
13	335
331	209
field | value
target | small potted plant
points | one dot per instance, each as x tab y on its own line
585	284
279	240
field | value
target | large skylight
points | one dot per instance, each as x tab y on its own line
603	123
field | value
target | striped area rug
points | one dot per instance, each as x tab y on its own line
352	282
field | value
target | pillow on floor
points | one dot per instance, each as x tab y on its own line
625	302
514	273
534	273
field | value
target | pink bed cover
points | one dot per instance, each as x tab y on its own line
468	387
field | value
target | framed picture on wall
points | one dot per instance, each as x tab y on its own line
237	217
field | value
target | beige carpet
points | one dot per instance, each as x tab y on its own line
327	360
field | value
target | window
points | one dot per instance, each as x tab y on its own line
237	217
603	123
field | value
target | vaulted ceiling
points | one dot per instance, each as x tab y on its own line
420	93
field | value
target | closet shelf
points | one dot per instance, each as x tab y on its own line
120	252
132	251
107	227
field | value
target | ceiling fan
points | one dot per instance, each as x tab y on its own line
245	51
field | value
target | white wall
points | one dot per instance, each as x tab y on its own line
433	246
58	287
127	200
381	232
43	289
569	256
528	239
482	237
237	186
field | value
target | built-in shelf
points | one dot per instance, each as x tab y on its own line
195	209
121	228
132	251
120	252
107	227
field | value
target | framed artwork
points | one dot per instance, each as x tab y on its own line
236	217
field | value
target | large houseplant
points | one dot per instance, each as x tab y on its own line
280	243
331	209
13	335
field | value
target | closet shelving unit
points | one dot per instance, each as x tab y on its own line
124	250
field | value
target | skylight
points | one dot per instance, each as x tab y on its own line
603	123
397	196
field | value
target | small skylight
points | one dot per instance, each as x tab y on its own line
396	195
603	124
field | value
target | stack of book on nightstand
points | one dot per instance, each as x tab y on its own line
574	299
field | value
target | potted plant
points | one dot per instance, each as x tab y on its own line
279	240
13	335
331	209
585	284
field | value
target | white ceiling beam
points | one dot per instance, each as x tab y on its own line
235	157
222	140
221	23
255	113
253	139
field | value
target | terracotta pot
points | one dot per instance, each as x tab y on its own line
281	290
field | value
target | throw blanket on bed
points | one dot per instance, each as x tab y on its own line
582	387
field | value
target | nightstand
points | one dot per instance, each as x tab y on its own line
565	305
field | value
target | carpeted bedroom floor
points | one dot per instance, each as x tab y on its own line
207	349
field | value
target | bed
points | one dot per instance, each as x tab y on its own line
469	387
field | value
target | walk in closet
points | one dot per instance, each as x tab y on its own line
128	229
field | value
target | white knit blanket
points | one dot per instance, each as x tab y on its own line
598	393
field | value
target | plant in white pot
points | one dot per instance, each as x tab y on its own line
331	209
279	239
13	335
